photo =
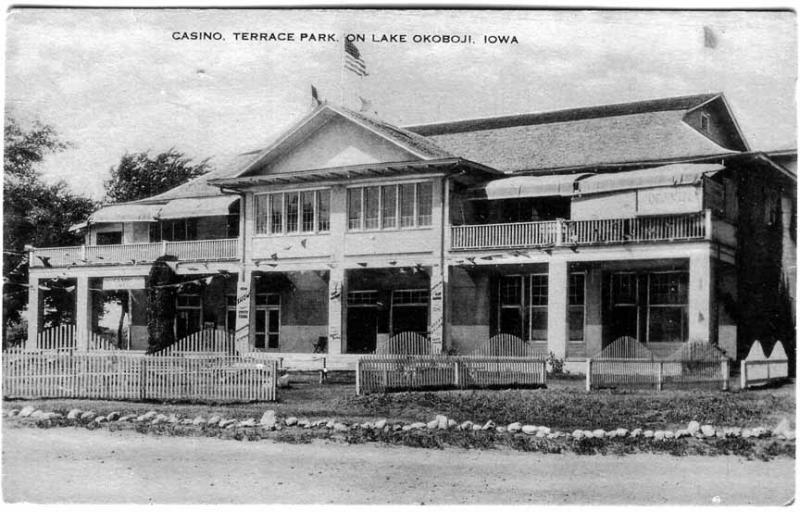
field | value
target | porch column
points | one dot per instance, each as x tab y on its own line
336	294
83	314
34	313
244	306
557	287
436	324
701	289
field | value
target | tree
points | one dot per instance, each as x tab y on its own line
139	175
34	212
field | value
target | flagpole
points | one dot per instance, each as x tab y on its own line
341	75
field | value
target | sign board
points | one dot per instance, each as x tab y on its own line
662	200
123	283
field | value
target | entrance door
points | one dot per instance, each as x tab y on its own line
624	319
410	311
362	329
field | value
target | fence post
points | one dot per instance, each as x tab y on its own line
659	383
743	374
560	232
726	372
456	374
143	379
163	248
83	253
588	374
358	377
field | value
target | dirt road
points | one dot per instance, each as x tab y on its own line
76	465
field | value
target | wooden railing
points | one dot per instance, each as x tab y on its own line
561	232
131	254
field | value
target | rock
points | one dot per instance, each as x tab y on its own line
284	381
621	432
214	421
637	432
74	414
441	421
173	419
658	435
160	418
500	429
406	428
530	429
340	427
36	414
187	421
126	418
290	421
649	434
231	424
611	434
476	428
113	416
26	411
303	423
546	430
599	433
249	422
100	419
88	416
452	423
199	420
733	432
551	435
681	433
760	432
433	424
268	419
417	425
488	425
783	430
577	434
148	416
13	412
707	431
540	433
380	423
330	424
693	427
226	423
514	427
747	433
398	426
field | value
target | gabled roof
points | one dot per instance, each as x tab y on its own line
416	145
644	131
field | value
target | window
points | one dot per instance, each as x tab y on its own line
188	315
109	238
293	212
389	200
362	298
705	121
410	297
667	307
510	295
537	307
380	207
291	200
268	320
174	230
576	308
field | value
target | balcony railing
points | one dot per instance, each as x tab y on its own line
566	233
130	254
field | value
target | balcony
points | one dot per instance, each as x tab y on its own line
570	233
130	254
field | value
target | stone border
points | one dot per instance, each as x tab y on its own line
269	421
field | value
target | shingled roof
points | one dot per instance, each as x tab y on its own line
645	131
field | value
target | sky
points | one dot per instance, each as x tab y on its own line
116	81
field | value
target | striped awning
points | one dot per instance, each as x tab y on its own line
665	176
530	186
130	212
197	207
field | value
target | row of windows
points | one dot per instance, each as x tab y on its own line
293	212
390	206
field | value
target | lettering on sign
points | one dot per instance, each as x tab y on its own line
123	283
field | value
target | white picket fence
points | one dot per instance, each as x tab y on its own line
508	345
119	376
377	374
405	343
628	363
212	341
758	369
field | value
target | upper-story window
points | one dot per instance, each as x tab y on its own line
705	121
404	205
174	230
306	211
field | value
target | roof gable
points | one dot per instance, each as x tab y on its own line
334	137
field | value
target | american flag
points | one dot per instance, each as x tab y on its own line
353	60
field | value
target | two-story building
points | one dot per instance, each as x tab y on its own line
568	229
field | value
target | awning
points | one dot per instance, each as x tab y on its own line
78	227
665	176
530	186
197	207
126	213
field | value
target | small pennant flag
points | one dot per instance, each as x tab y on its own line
709	38
353	61
314	97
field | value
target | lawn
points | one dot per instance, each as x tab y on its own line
564	406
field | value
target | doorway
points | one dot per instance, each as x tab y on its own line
362	321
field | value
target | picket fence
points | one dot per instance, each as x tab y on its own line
628	363
376	374
216	341
757	369
405	343
509	345
120	375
